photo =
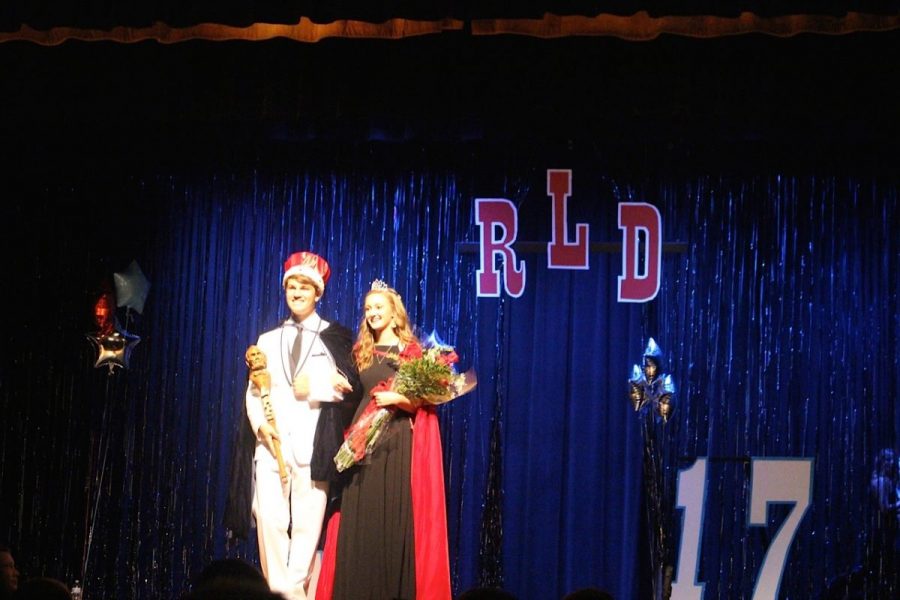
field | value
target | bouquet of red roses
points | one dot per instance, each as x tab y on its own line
425	376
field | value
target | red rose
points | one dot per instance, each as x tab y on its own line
448	358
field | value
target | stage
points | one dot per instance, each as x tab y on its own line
547	206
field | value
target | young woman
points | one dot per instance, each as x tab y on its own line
392	536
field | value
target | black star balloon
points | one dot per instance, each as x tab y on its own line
114	348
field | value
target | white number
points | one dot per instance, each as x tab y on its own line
774	481
691	498
779	481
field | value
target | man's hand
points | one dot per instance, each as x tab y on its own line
340	383
268	436
301	386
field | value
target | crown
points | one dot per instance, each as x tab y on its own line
380	285
310	265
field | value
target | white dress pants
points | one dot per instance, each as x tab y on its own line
298	507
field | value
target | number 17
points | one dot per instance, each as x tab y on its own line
773	481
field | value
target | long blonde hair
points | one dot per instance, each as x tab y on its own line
364	348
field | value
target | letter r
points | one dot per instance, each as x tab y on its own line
498	215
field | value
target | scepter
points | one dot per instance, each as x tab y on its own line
260	377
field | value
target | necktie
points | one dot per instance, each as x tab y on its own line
296	350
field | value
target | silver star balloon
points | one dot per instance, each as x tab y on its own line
113	349
131	287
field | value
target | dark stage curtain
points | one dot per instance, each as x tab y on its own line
777	313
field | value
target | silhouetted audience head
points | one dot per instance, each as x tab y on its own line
238	591
485	593
230	570
9	575
43	588
231	579
590	593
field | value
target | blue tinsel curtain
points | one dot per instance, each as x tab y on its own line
778	319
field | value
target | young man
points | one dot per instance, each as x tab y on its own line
311	396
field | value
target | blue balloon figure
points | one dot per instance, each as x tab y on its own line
649	387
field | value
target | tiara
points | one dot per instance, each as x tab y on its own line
380	285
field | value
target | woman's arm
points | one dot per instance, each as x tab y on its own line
389	398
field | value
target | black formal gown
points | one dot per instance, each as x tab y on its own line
375	551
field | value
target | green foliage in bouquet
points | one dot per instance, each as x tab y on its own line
430	378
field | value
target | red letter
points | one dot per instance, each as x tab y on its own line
562	254
491	214
635	217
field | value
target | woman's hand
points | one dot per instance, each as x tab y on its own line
389	398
